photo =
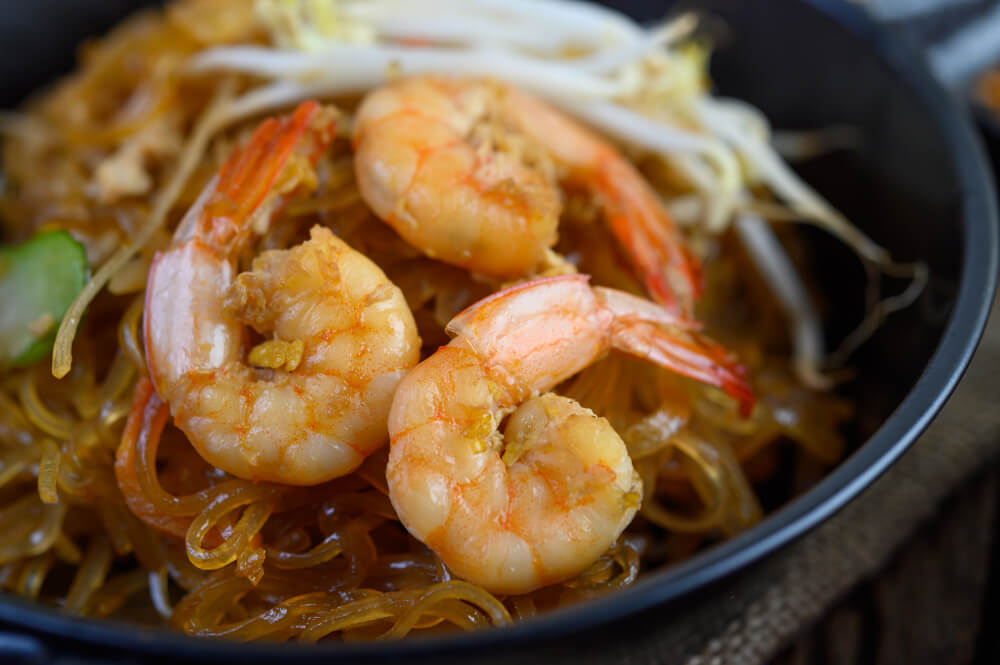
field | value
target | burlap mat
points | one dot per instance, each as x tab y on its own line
926	606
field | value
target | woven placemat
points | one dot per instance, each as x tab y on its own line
927	606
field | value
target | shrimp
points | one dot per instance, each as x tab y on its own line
457	168
540	502
310	402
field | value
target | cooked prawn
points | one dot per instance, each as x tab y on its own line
539	503
467	171
309	403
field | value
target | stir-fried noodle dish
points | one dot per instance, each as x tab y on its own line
350	320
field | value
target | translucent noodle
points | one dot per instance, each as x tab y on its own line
29	527
120	378
522	607
15	429
259	506
91	574
86	401
146	544
48	472
706	478
33	574
115	592
447	591
616	569
159	593
743	509
13	462
329	548
39	415
128	336
66	550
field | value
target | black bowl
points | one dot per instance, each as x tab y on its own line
917	183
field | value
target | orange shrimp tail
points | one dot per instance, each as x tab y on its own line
248	177
668	269
146	420
689	354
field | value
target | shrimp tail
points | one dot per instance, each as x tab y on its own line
248	184
691	355
675	344
668	269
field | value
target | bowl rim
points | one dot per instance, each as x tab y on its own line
935	384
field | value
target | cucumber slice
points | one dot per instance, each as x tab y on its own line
38	280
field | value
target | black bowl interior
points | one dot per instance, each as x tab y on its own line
916	182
